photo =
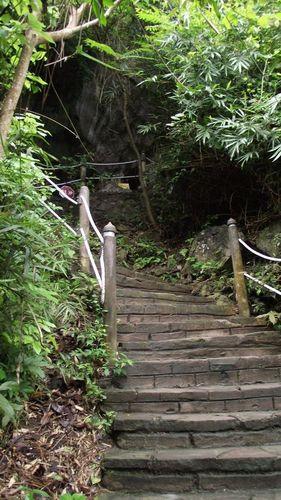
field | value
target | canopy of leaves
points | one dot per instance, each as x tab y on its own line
218	71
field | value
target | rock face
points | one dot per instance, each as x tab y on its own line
211	244
269	239
101	118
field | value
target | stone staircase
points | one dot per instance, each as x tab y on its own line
200	408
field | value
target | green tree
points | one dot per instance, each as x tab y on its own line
27	24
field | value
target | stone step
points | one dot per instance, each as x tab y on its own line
140	481
150	284
156	309
126	337
241	340
262	494
186	373
167	440
189	325
203	366
148	295
246	459
149	431
197	423
203	352
164	318
215	398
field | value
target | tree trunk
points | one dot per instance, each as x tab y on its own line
149	211
12	97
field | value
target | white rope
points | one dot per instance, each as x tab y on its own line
90	255
262	284
58	217
102	266
99	235
275	259
63	194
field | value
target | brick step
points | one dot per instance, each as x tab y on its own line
148	295
203	352
215	398
258	339
181	334
135	308
150	284
262	494
139	481
189	325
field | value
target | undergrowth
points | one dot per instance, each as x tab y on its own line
51	318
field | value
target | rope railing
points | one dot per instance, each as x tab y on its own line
271	288
91	220
99	276
92	260
263	256
239	273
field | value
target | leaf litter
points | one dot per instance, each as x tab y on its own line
56	450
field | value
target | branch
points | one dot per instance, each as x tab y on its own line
73	26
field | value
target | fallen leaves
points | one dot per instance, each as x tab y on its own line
55	450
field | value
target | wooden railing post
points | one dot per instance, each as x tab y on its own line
84	224
238	269
110	302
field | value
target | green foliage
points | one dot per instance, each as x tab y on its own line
49	313
141	252
218	74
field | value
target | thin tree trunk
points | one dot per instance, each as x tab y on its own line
149	212
12	97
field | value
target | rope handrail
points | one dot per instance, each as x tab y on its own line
62	193
91	219
58	217
274	290
267	257
90	255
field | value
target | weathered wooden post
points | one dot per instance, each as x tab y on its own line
110	301
85	225
238	269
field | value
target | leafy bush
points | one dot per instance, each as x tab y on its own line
44	302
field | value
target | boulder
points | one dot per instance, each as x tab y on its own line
211	244
269	239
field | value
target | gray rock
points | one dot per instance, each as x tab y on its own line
269	239
211	244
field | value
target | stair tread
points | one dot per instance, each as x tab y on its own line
262	338
229	459
265	494
208	422
203	393
189	324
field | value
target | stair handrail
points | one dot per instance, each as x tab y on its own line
238	268
106	277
